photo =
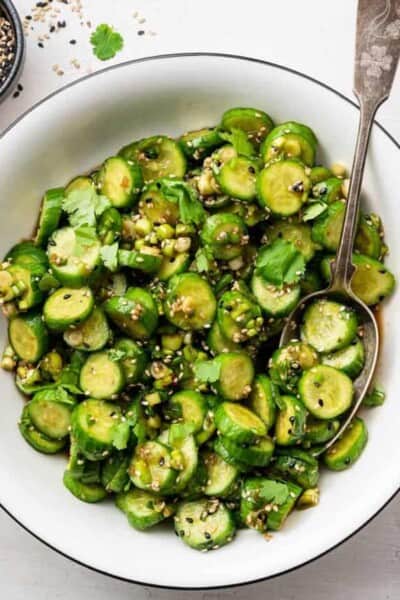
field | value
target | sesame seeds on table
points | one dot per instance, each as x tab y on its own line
7	47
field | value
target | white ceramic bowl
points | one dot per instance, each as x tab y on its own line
75	129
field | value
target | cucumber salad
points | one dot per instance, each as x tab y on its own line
144	319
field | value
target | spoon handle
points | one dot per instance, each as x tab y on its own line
377	55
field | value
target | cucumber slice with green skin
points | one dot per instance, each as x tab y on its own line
71	259
368	239
239	318
79	183
276	519
188	407
372	282
190	302
151	468
375	397
297	233
308	499
219	448
283	187
290	140
185	457
251	213
343	453
86	492
50	214
204	524
143	261
288	362
222	477
239	424
109	226
298	466
135	313
237	178
196	145
225	234
236	375
256	123
319	174
319	432
326	392
329	190
143	509
218	343
51	418
85	471
114	473
93	427
329	325
35	438
350	360
25	253
20	282
263	400
174	265
327	228
158	156
311	282
274	300
28	336
208	428
101	377
133	361
257	454
67	306
90	335
120	181
290	423
156	207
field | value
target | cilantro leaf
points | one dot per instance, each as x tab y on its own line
56	394
273	492
239	140
109	256
83	206
179	431
115	355
85	237
207	371
190	208
202	260
280	263
69	378
106	42
314	210
121	435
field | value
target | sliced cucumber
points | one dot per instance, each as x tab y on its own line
190	302
329	325
297	233
274	300
222	477
238	316
257	454
93	427
219	448
290	140
67	306
319	432
72	258
189	407
20	282
90	335
350	360
120	181
326	392
158	156
276	519
101	377
236	375
343	453
319	174
26	253
28	336
196	145
288	362
204	524
109	226
135	313
237	178
218	343
298	466
375	397
174	265
79	183
327	228
225	234
238	423
308	499
283	187
143	261
87	492
156	207
133	360
263	400
328	190
256	123
368	240
35	438
50	417
151	468
143	509
185	457
114	473
50	214
290	423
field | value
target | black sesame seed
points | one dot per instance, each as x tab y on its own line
207	535
67	296
189	519
72	42
15	94
320	402
40	45
181	533
292	419
140	32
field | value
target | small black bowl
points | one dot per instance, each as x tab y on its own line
8	10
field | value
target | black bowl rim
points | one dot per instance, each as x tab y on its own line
243	58
12	14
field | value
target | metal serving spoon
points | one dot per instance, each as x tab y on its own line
377	55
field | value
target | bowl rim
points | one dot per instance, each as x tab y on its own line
180	55
12	15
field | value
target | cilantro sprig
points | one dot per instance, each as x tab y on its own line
106	42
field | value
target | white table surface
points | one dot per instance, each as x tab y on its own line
313	36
